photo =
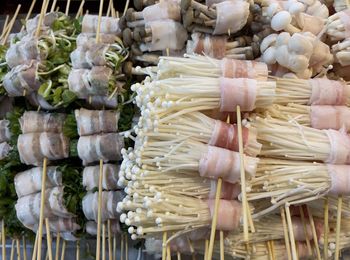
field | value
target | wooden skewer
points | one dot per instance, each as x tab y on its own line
4	28
178	254
29	13
243	184
67	7
41	17
24	248
48	236
3	239
168	252
164	246
291	233
121	247
314	234
104	241
35	247
337	234
80	10
110	253
285	232
12	22
326	229
42	205
269	251
222	248
305	230
126	247
126	6
63	249
114	247
18	247
12	254
53	6
206	247
99	22
77	252
99	212
58	239
272	245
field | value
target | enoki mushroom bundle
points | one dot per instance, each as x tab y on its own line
289	140
319	117
284	181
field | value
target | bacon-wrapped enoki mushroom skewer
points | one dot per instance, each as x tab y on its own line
109	25
316	91
201	93
179	153
195	65
163	10
241	48
5	137
319	117
283	139
214	20
295	183
338	27
110	177
201	128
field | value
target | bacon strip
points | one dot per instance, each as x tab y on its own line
327	92
229	214
37	122
243	69
330	117
110	177
339	147
340	184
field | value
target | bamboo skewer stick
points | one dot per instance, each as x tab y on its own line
114	247
80	10
126	247
269	251
12	22
35	247
99	212
104	241
53	6
24	248
42	204
206	247
58	239
272	245
29	12
110	253
305	230
168	252
285	232
121	247
77	251
178	255
326	229
314	234
126	6
3	239
41	17
4	28
18	247
48	237
12	254
164	245
63	249
67	7
337	236
291	233
222	248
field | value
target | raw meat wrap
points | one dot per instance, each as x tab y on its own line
231	21
102	102
109	25
88	38
22	78
91	122
243	69
29	181
38	101
237	92
330	117
108	207
218	162
23	52
56	202
104	147
85	83
226	136
91	227
28	209
37	122
229	191
229	214
213	46
59	225
32	24
340	180
339	147
34	147
5	148
89	55
344	17
165	34
327	92
5	133
161	11
110	177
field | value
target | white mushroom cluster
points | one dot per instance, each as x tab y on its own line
297	16
303	54
341	52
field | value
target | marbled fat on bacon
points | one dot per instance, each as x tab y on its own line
5	148
229	191
213	46
330	117
229	214
37	122
5	133
232	68
56	202
339	147
327	92
340	179
109	25
110	177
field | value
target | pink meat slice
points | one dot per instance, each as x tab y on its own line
162	10
232	68
37	122
339	147
229	214
327	92
213	46
330	117
229	191
340	179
